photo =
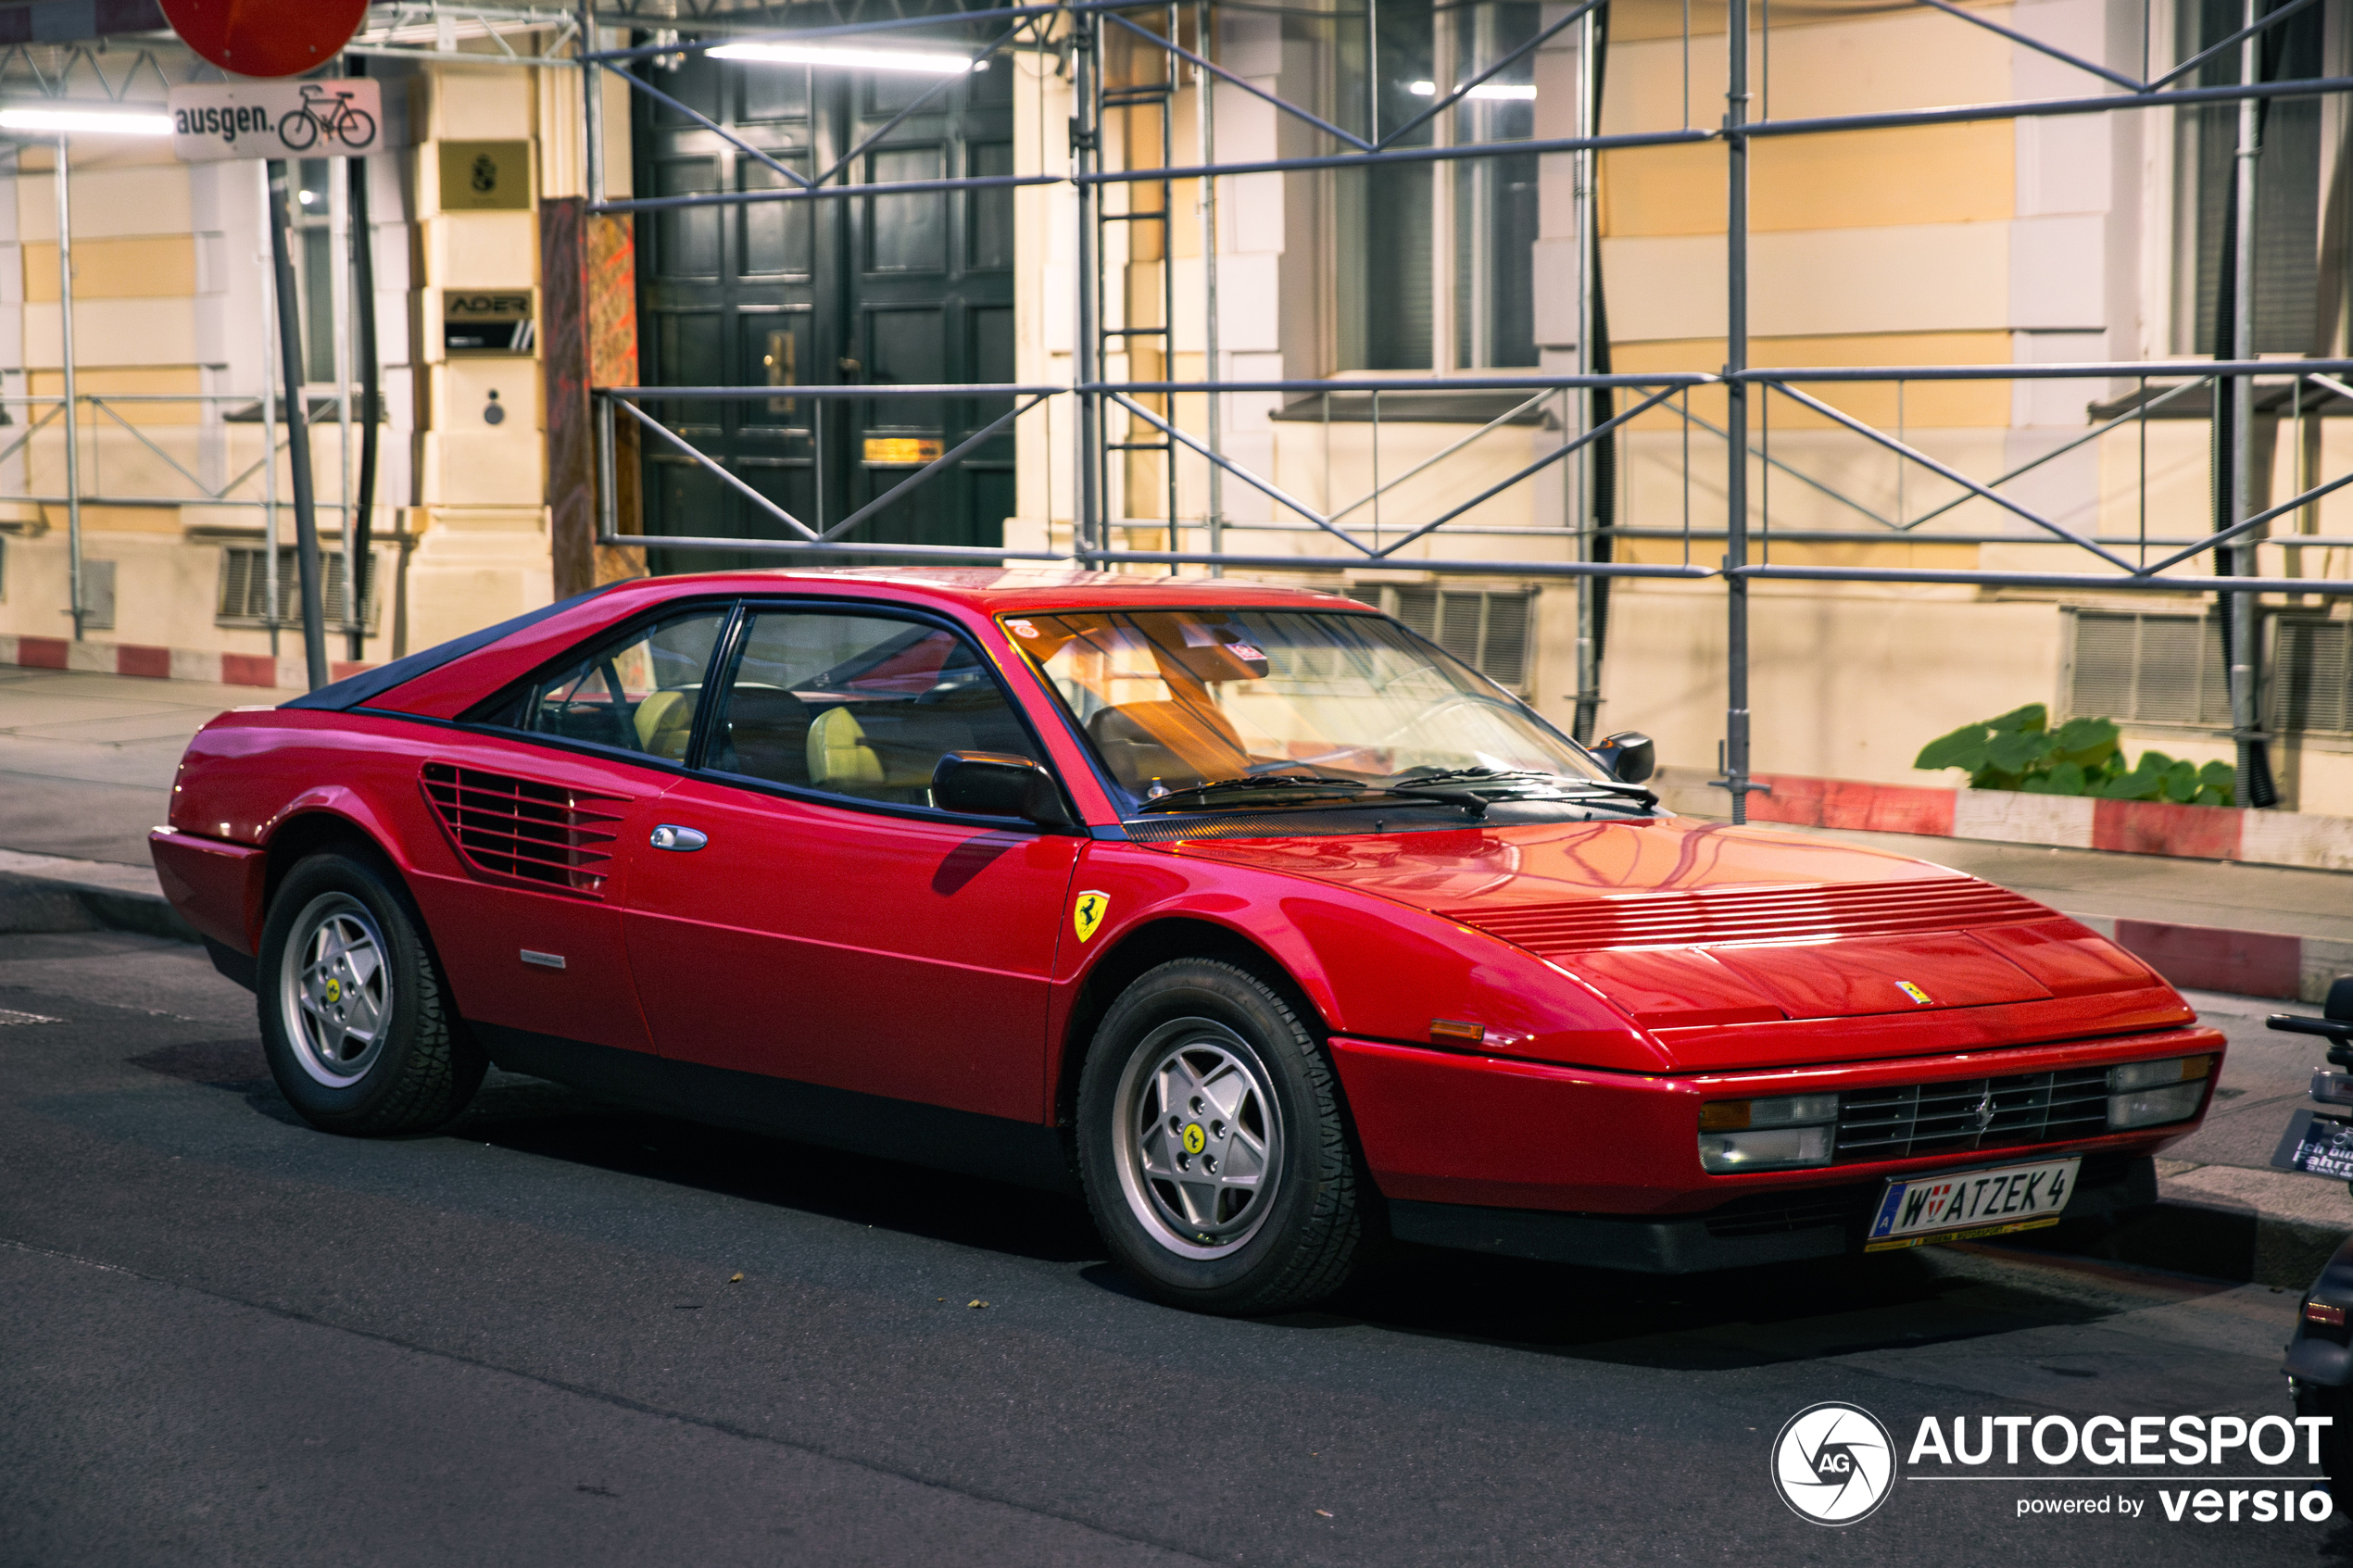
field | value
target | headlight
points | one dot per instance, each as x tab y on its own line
2148	1094
1764	1135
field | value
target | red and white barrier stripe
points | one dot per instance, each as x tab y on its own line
166	664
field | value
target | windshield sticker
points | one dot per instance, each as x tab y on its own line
1021	628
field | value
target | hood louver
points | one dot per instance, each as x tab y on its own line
1751	914
536	833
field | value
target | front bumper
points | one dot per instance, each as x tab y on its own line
1826	1222
1456	1127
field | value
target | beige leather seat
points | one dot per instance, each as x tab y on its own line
888	754
665	721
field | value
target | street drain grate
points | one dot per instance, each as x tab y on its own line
7	1018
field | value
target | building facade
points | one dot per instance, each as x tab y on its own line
2034	240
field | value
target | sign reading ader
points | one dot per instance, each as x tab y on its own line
237	119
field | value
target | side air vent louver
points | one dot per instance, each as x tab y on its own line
1753	914
513	827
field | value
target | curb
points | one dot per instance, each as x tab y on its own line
2226	1221
31	905
2305	840
167	664
2242	963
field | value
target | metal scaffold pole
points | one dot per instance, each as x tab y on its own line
1735	777
1085	134
64	348
1213	369
2242	614
314	629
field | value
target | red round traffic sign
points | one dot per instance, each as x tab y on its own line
266	37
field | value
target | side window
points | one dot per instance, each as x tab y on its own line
857	704
635	692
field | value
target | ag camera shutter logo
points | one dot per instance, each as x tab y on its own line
1833	1463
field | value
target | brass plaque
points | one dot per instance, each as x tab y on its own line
486	176
902	451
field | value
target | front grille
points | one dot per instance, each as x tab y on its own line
1752	914
539	833
1971	1113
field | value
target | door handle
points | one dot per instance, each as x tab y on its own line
669	835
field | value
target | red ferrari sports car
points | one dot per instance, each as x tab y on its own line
1245	911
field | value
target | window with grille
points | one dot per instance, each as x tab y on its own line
2312	675
2149	669
1493	632
244	587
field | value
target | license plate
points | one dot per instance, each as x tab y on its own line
1967	1205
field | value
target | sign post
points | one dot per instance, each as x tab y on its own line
275	122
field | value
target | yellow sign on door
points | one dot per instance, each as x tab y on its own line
901	451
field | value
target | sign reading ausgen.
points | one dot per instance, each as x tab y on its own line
238	119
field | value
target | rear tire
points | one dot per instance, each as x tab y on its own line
355	1017
1212	1146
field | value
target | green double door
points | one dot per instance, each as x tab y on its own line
901	290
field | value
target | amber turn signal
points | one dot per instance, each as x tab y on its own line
1453	1030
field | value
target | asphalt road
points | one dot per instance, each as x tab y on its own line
227	1338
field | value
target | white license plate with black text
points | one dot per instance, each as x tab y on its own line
1962	1205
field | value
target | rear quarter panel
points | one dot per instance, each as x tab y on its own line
246	777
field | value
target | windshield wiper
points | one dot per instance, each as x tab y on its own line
1516	775
1475	789
1311	785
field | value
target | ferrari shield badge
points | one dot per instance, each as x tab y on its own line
1089	913
1914	992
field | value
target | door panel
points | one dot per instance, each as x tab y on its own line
831	940
844	947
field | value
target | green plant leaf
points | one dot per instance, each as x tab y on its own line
2152	762
1965	747
2014	751
2067	778
2209	796
2180	782
2084	741
2032	718
2218	776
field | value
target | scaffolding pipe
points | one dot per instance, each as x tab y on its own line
2251	781
269	421
73	440
1581	491
1735	766
1205	127
314	627
1086	135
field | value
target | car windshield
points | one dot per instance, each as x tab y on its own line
1176	699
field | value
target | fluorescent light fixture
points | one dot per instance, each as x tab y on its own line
108	123
1521	94
849	57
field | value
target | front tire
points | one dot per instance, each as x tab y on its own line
1212	1146
355	1019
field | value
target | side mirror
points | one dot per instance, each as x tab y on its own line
997	784
1628	756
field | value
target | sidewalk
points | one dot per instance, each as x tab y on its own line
86	762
